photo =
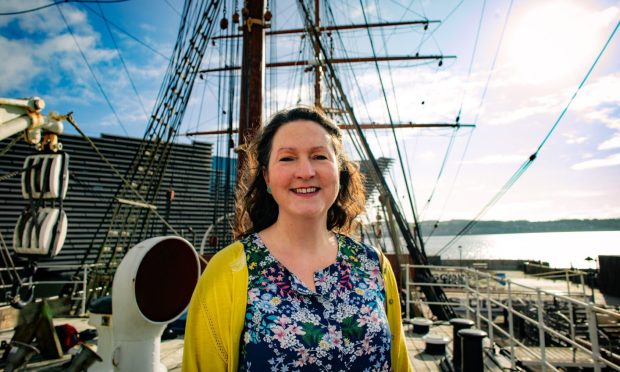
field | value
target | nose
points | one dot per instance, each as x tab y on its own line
305	169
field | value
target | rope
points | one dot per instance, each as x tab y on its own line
12	174
471	61
92	72
400	158
441	169
69	118
513	179
127	33
499	45
8	147
120	56
61	2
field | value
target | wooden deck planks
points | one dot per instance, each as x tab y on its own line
558	356
415	345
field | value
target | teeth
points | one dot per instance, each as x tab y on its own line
306	190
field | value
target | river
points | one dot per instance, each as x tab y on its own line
560	249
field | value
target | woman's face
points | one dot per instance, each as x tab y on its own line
303	170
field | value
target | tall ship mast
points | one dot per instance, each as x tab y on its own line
234	35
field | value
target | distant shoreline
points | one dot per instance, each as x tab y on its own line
453	227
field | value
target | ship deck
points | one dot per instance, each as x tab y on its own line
172	350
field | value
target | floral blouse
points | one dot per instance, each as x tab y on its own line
340	327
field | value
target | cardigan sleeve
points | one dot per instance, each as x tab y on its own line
400	355
208	327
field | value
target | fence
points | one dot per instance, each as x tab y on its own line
561	318
79	282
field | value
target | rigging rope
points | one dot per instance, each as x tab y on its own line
499	45
532	157
11	144
105	96
353	78
441	169
127	184
61	2
120	56
152	49
400	158
173	8
471	61
451	189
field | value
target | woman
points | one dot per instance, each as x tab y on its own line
295	293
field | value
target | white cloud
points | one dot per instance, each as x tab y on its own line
610	161
612	143
598	101
18	67
574	139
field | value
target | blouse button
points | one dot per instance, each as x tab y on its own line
390	301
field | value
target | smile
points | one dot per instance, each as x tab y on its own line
305	190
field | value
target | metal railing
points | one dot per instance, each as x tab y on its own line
79	281
478	288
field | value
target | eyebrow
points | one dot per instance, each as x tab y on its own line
293	148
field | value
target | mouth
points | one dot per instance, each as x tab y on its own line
305	190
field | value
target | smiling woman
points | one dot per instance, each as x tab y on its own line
295	293
556	39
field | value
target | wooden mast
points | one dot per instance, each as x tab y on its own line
317	53
252	71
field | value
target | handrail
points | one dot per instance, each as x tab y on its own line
79	281
478	285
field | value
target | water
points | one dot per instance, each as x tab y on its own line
560	249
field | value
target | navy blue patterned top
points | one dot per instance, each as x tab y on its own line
340	327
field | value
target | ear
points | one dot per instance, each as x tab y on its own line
266	175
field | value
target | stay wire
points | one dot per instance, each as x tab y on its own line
105	96
441	170
452	185
173	8
387	105
119	28
71	120
471	61
120	56
355	80
389	68
532	157
499	45
432	33
61	2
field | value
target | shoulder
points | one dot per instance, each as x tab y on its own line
222	266
230	258
360	248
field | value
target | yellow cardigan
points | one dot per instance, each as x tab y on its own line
217	312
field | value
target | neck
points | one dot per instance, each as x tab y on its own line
302	236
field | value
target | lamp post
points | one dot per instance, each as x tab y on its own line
461	255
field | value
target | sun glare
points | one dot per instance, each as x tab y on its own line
552	40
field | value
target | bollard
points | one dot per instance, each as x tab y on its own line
435	344
421	326
471	350
457	325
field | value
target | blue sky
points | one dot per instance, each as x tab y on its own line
547	48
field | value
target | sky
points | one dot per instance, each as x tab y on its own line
517	65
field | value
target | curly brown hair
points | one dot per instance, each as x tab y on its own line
256	209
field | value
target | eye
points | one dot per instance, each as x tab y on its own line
320	157
287	158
